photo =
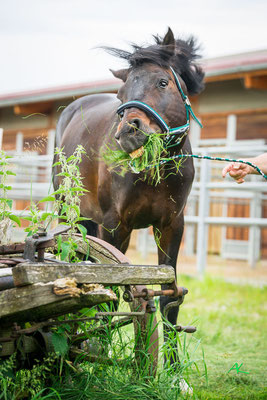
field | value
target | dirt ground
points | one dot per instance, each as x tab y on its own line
231	270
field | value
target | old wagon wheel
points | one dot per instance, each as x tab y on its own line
144	324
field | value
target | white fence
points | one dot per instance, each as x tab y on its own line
209	186
33	181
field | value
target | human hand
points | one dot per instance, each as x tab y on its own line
237	171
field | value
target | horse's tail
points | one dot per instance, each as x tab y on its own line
91	226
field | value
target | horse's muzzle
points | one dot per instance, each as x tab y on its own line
132	135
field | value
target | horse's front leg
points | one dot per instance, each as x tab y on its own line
168	238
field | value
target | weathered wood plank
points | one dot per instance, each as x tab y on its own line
25	274
5	272
38	302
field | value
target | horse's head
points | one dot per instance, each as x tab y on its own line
152	100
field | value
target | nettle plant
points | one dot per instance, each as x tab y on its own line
66	200
65	206
66	203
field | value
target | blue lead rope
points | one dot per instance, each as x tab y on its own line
165	160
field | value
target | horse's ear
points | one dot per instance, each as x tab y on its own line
169	40
120	74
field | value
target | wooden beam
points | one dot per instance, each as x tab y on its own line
26	274
255	82
236	75
44	107
39	302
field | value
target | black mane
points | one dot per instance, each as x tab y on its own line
181	58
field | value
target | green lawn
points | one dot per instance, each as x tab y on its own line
232	326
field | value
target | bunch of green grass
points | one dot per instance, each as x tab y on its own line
149	163
126	380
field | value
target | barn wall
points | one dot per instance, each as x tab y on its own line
9	120
228	96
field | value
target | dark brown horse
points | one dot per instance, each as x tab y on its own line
118	204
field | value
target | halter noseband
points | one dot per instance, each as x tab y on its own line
180	131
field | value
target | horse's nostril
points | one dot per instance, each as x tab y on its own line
135	123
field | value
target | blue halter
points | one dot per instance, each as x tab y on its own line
180	131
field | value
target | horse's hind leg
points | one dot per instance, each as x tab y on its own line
169	239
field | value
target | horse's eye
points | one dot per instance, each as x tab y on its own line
121	114
163	83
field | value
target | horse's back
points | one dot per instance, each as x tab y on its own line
83	109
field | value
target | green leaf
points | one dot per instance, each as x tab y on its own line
76	208
84	219
2	186
10	173
59	191
15	219
27	218
83	230
59	241
63	217
78	189
48	198
71	158
56	163
75	180
65	249
45	215
64	174
60	343
63	209
9	203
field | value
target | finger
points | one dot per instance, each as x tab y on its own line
239	166
237	174
227	169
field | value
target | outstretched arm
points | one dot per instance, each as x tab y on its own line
238	171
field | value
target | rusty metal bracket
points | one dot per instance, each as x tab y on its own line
174	291
187	329
150	306
128	295
120	314
179	300
40	241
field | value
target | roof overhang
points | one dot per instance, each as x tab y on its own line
58	93
235	66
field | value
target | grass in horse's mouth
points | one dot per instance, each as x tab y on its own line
146	159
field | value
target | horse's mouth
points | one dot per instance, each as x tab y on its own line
137	153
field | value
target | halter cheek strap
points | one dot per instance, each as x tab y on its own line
179	131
